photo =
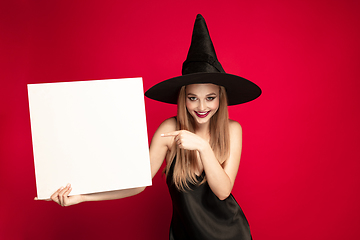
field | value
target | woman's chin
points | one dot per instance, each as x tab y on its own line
202	121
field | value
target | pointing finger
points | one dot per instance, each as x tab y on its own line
170	134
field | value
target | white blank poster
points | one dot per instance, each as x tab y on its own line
91	134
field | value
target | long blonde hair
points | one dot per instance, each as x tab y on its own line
186	160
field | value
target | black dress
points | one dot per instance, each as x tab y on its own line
198	214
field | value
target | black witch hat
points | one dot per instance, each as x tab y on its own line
202	66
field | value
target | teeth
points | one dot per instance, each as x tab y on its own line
202	113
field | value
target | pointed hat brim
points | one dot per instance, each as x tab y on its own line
202	66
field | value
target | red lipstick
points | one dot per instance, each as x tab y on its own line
202	114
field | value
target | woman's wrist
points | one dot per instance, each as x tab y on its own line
82	198
204	146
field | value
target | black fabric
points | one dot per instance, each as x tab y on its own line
198	214
201	49
239	90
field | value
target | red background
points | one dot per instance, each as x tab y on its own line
298	176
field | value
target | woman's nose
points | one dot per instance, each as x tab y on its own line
202	105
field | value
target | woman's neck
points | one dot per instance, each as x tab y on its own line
202	130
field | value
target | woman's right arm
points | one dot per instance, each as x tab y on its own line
158	149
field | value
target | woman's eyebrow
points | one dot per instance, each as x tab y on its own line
193	94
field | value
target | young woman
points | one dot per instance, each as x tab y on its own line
201	145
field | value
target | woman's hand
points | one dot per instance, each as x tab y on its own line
61	197
187	140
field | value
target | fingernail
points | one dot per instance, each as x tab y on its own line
162	135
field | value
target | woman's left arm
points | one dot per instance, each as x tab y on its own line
221	178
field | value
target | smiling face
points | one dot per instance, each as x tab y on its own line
202	101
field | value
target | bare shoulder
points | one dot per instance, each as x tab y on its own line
235	132
234	127
168	125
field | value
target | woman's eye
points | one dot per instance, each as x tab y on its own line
210	98
192	98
